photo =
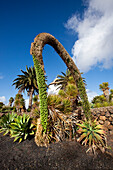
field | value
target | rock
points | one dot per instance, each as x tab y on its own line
94	113
111	110
110	119
101	122
110	127
94	117
112	123
111	132
107	114
107	123
98	111
102	113
112	115
105	128
102	118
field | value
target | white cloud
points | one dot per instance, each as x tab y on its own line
91	94
94	46
26	103
3	99
53	89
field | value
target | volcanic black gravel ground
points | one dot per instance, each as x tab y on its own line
58	156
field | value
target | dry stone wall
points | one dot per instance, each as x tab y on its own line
105	117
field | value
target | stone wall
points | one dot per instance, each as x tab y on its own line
105	117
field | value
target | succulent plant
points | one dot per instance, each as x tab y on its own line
92	133
22	128
6	121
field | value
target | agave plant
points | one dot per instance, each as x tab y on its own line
22	128
66	106
92	133
6	121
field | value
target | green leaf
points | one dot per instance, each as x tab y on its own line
16	138
7	131
14	135
24	116
32	133
20	140
17	120
100	132
90	139
1	130
15	125
98	127
99	138
32	125
25	136
81	137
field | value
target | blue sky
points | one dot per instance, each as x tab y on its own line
85	30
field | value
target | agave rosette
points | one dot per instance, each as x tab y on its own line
5	122
91	133
22	128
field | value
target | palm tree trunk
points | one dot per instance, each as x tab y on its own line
30	98
106	94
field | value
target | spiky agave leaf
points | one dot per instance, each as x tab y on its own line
5	122
82	137
93	134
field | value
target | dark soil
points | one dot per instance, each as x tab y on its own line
58	156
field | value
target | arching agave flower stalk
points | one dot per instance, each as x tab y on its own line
36	50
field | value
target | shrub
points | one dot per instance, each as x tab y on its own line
28	110
6	121
62	93
54	101
105	104
1	105
21	128
92	133
111	103
97	105
14	109
6	109
36	112
92	105
66	106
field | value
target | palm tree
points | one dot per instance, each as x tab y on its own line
19	102
27	82
105	88
62	80
99	99
71	93
11	100
111	95
59	103
67	87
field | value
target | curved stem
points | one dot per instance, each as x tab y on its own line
36	50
